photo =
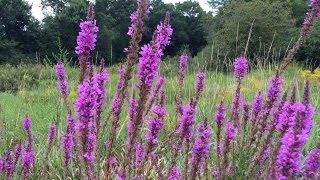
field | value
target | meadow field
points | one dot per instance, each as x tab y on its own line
151	116
37	95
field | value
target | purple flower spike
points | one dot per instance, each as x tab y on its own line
9	163
164	32
312	164
67	143
17	154
200	82
241	67
28	155
62	79
187	122
201	147
155	125
274	89
87	37
220	115
1	165
220	120
52	133
183	66
175	173
231	132
139	155
136	17
27	123
148	65
257	106
132	112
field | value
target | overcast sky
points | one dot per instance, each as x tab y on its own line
36	6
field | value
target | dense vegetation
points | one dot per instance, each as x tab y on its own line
271	26
145	120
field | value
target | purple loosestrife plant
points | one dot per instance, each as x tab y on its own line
132	112
17	155
185	130
62	80
241	67
86	42
290	154
256	106
135	31
230	135
148	70
158	88
174	173
155	125
201	148
312	164
9	164
85	107
182	71
67	144
2	166
28	155
220	120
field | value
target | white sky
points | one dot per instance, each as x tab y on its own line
36	6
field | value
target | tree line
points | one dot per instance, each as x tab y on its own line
24	36
23	39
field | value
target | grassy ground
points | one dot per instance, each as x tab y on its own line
45	106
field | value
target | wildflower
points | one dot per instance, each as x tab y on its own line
175	173
85	106
219	119
62	79
156	90
132	112
91	144
9	164
67	143
182	66
312	163
148	65
164	32
236	108
231	132
256	106
290	154
99	89
199	84
28	154
155	125
306	93
52	133
136	17
185	129
17	155
241	67
1	165
87	37
139	154
201	147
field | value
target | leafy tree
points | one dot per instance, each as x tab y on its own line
271	23
18	30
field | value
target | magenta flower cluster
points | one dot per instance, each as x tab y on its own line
241	67
86	40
